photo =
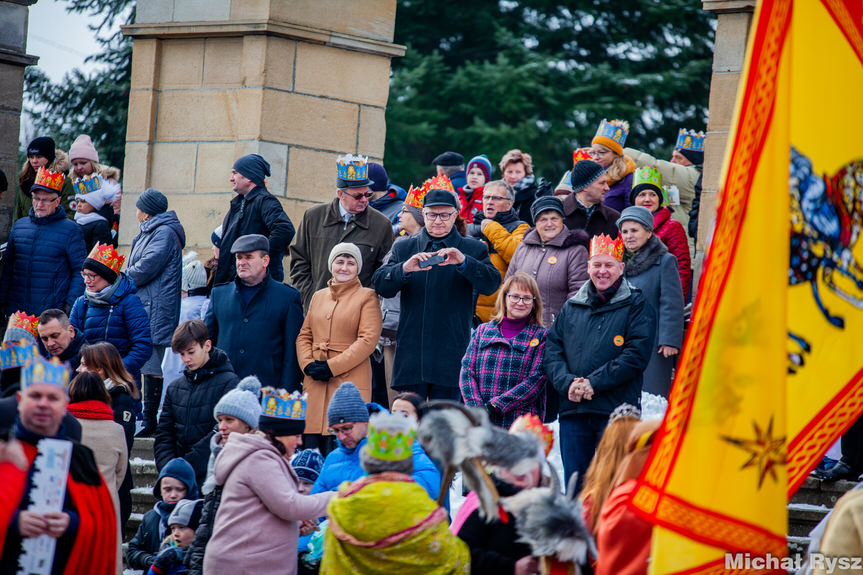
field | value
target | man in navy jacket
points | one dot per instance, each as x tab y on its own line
256	320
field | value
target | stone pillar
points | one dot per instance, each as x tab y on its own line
297	82
13	60
732	30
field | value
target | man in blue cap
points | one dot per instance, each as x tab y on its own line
254	210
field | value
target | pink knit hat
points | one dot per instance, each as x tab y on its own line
83	149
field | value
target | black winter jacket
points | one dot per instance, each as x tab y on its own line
610	345
144	546
186	422
437	307
194	559
260	338
263	214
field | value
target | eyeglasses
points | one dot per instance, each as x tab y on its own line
366	195
346	430
88	277
495	198
439	217
513	298
45	200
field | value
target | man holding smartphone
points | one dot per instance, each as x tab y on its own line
437	301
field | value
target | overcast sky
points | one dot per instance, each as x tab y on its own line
60	39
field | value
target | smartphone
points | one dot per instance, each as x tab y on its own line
432	261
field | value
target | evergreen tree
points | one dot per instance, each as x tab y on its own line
97	103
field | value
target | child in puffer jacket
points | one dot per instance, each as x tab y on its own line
176	482
183	522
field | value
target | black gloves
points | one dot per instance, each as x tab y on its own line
319	371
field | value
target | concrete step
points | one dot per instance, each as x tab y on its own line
132	526
144	472
803	517
817	492
142	448
142	499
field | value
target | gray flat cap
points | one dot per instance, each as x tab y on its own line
250	243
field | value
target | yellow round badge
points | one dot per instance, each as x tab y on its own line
618	340
534	342
552	260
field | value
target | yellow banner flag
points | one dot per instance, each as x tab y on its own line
769	375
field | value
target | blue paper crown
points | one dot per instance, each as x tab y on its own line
690	140
87	184
280	404
45	371
612	132
13	355
353	168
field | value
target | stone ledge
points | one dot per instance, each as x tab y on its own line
719	6
265	27
19	59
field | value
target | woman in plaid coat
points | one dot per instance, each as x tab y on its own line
502	370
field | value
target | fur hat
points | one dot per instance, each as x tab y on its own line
242	402
347	249
347	406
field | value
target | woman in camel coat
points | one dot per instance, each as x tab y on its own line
338	336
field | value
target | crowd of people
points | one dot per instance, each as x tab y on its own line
284	403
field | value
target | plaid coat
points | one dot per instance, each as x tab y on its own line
505	376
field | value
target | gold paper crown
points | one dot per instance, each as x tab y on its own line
690	140
24	321
580	154
87	184
15	355
603	245
52	181
533	424
107	255
391	437
352	168
416	196
280	404
45	371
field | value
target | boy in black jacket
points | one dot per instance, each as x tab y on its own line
186	422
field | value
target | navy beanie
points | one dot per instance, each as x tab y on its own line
178	468
152	202
253	167
378	176
697	158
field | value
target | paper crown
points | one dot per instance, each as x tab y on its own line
391	437
107	255
580	154
416	196
87	184
690	140
648	177
615	131
533	424
52	181
14	355
603	245
280	404
39	370
353	168
24	321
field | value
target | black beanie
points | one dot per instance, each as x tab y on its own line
43	146
584	173
281	427
696	158
101	269
152	202
253	167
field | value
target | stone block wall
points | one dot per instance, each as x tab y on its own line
297	82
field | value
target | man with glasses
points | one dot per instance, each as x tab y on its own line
501	230
253	210
44	255
348	218
437	272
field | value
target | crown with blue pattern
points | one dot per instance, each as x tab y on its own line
87	184
690	140
13	355
353	171
612	134
45	371
280	404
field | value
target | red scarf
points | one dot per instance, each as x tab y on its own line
91	409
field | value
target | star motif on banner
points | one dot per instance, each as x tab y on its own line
766	451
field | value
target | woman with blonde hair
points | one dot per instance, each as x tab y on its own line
607	151
502	369
599	479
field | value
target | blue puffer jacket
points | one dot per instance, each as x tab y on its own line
122	322
344	465
42	264
155	264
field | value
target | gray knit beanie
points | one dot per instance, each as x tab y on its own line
152	202
242	402
194	276
347	405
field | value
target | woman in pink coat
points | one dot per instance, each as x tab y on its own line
258	522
